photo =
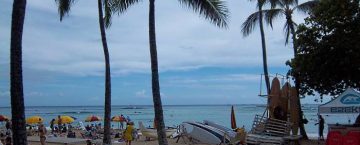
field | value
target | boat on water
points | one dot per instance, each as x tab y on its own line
152	132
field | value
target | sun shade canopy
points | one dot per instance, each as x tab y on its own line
346	103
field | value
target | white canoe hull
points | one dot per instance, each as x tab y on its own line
199	134
152	133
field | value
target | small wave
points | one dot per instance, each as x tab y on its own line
71	112
132	107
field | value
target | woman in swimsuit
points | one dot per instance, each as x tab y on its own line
42	134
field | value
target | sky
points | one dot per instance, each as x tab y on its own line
63	62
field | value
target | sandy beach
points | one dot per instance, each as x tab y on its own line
142	141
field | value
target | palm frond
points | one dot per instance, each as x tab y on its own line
108	13
249	25
307	6
287	28
261	3
289	2
271	14
287	32
64	7
214	10
274	3
120	6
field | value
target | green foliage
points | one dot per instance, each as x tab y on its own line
328	59
64	7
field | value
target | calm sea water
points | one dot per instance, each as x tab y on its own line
174	115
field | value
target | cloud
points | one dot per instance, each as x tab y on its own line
142	94
4	93
74	47
35	94
221	78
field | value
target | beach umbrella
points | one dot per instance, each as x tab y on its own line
3	118
117	119
34	120
65	120
233	120
92	118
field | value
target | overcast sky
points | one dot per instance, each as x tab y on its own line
63	62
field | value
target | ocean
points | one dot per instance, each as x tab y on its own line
176	114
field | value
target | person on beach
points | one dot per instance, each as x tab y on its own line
59	123
321	127
7	124
64	129
2	138
42	133
128	133
8	140
357	121
122	120
52	125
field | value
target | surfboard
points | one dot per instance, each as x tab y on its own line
284	100
294	111
274	96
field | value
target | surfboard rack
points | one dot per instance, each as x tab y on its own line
284	79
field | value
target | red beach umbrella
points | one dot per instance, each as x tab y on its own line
3	118
92	118
233	120
117	119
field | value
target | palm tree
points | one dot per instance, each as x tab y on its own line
248	26
286	8
214	10
16	79
64	8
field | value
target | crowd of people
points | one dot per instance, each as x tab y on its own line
60	129
5	138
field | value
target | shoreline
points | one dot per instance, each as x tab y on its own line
172	141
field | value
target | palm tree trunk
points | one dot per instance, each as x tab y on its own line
16	79
107	114
263	44
159	117
266	73
297	86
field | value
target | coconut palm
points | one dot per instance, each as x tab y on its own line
16	79
286	8
64	8
248	26
213	10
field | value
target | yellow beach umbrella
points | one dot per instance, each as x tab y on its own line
65	120
34	120
92	118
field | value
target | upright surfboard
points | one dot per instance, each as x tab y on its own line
294	111
274	96
284	100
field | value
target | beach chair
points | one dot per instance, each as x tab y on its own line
268	131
